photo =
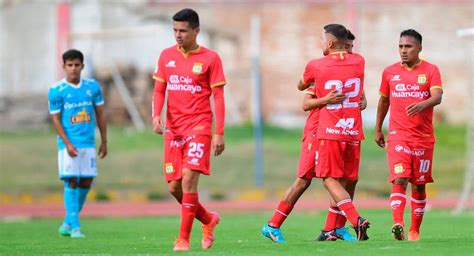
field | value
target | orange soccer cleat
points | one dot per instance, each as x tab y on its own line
181	245
208	231
413	235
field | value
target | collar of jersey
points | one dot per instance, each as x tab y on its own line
414	66
76	86
186	54
341	54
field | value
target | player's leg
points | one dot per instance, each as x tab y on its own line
341	231
397	204
418	204
71	201
344	203
294	192
175	189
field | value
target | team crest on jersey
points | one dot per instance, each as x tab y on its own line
169	168
81	117
398	169
197	68
422	79
88	92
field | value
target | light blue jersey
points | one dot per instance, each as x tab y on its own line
76	104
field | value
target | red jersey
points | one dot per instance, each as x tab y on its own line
405	86
189	78
312	121
343	72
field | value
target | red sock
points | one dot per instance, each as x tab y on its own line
418	203
341	219
203	215
188	212
280	215
397	203
331	218
349	209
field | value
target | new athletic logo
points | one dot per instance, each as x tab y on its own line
345	126
182	83
409	91
416	152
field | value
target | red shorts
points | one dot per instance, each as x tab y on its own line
193	152
338	159
412	160
306	165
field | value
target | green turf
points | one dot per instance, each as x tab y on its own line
442	234
28	161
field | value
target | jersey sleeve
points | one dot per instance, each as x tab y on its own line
310	90
98	98
384	86
216	73
55	101
308	74
435	80
159	74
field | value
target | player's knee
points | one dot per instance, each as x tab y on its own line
401	181
72	183
302	184
419	188
85	183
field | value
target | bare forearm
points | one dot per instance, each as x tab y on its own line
382	110
56	121
313	103
102	124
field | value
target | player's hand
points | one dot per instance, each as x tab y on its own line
218	144
158	125
363	103
379	139
334	97
103	150
414	109
71	150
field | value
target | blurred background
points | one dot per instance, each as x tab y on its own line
264	46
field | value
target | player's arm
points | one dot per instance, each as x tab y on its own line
382	109
363	101
102	124
56	120
218	144
433	100
157	105
302	85
310	101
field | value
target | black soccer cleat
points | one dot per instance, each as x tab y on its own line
327	236
361	229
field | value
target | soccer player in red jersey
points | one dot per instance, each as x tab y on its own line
190	74
306	166
340	125
336	219
410	89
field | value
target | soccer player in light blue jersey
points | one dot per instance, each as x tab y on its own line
74	105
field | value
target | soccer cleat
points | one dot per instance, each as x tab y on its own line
327	236
361	229
343	234
65	230
208	231
274	234
413	235
398	231
76	233
181	245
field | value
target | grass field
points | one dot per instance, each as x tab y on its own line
28	161
442	234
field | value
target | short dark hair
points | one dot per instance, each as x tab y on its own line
188	15
337	30
350	36
73	54
413	33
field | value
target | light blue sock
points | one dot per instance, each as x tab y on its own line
71	203
82	197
